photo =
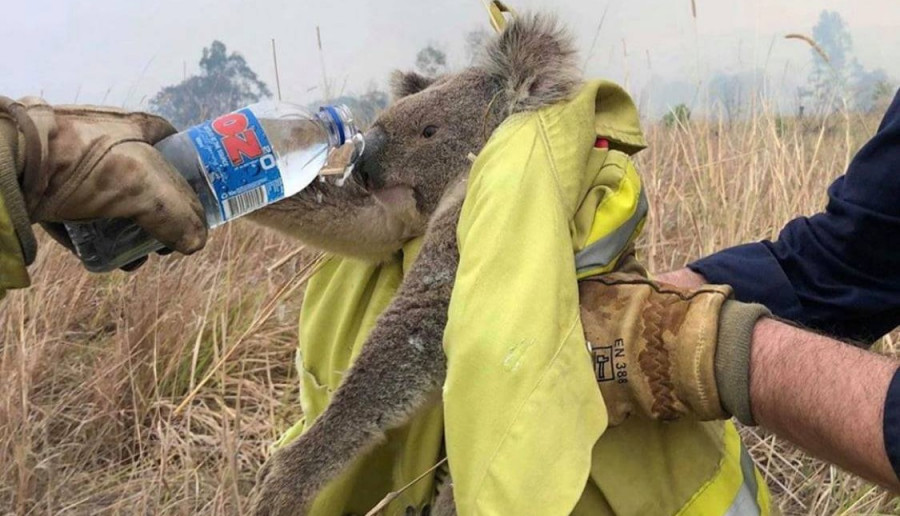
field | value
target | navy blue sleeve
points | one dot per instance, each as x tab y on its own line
837	271
891	426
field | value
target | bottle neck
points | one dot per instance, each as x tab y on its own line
339	124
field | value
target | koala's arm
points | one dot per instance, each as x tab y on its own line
345	220
400	369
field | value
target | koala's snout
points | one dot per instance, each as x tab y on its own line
369	166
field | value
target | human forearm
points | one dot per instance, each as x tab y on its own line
818	393
824	396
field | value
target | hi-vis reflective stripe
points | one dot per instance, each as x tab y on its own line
736	489
745	501
602	253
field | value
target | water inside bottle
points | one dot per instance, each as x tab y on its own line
297	142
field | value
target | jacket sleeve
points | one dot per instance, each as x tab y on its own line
14	256
837	271
12	262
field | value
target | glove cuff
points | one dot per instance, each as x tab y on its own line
732	360
34	176
12	161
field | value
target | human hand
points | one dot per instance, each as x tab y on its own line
667	352
83	163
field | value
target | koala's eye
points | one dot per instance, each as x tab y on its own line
429	131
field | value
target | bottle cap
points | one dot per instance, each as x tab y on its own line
343	122
347	141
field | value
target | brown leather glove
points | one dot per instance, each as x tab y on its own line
667	352
81	163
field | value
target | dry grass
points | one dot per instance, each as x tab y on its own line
91	367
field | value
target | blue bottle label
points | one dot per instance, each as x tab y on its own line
239	162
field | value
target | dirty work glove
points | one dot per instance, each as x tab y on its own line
666	352
80	163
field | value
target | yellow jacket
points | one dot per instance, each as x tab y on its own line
522	417
12	256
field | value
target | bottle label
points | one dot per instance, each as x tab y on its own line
239	162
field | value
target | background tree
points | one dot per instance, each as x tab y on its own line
475	41
883	93
225	83
679	116
830	79
728	91
431	61
734	93
873	90
841	81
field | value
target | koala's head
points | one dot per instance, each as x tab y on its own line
421	144
423	140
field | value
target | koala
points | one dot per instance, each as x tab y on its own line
410	181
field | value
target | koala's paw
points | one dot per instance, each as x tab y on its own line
280	489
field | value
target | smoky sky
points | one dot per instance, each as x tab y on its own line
121	52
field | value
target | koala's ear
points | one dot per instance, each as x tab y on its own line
533	62
407	83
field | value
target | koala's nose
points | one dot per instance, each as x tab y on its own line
369	164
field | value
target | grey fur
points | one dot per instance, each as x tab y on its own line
401	367
532	61
443	502
404	84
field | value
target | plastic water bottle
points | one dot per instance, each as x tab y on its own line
236	164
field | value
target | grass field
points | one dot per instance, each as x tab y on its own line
92	367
